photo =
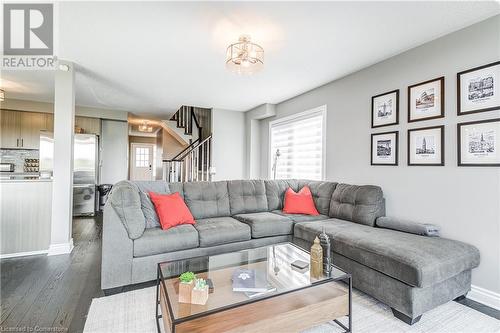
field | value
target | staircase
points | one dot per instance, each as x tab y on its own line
194	162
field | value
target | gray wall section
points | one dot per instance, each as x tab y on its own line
228	145
464	201
114	153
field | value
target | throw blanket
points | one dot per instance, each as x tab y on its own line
411	227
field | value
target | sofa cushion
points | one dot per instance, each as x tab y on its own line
156	240
147	206
207	199
360	204
322	193
301	217
177	187
265	224
415	260
275	191
247	196
221	230
125	200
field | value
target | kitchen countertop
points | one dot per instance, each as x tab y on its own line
23	178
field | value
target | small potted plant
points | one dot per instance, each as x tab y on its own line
185	286
199	294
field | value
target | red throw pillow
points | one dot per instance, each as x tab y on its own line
299	203
171	210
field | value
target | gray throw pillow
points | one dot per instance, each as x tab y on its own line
147	206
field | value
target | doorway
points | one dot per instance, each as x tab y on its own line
142	161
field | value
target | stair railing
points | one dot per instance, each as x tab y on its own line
185	118
192	164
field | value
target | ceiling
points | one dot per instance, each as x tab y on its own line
152	57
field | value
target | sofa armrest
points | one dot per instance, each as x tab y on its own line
408	226
117	251
125	200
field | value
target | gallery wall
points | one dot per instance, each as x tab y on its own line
464	201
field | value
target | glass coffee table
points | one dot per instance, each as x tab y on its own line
296	301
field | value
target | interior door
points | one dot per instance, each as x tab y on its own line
142	161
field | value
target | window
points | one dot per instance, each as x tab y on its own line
297	145
141	157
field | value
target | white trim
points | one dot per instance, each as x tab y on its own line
23	254
484	296
320	109
57	249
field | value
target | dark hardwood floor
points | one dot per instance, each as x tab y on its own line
56	292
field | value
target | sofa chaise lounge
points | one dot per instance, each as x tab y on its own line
410	273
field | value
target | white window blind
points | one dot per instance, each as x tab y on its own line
299	142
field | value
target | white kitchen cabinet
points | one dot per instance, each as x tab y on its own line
25	216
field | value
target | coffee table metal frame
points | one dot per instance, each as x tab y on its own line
346	278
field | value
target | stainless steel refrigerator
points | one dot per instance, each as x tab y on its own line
85	169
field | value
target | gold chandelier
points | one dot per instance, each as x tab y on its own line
244	57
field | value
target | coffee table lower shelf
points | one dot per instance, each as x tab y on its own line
294	311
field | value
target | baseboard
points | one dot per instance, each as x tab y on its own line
484	296
57	249
22	254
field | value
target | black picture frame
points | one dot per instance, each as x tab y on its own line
396	156
441	115
397	108
459	92
441	127
459	144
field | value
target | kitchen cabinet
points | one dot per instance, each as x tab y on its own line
31	125
10	129
89	125
21	129
49	122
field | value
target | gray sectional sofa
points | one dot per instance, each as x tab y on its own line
410	273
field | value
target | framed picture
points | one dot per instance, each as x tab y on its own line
384	148
426	146
426	100
479	143
478	89
385	109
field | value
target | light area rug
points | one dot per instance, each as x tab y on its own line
134	312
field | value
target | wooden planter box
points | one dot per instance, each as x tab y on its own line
199	296
185	292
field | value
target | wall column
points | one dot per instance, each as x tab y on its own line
253	145
61	240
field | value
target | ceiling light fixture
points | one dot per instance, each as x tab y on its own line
145	127
244	57
2	95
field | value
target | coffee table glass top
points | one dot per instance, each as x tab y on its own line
272	261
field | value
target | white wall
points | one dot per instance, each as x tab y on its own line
228	135
114	151
464	201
